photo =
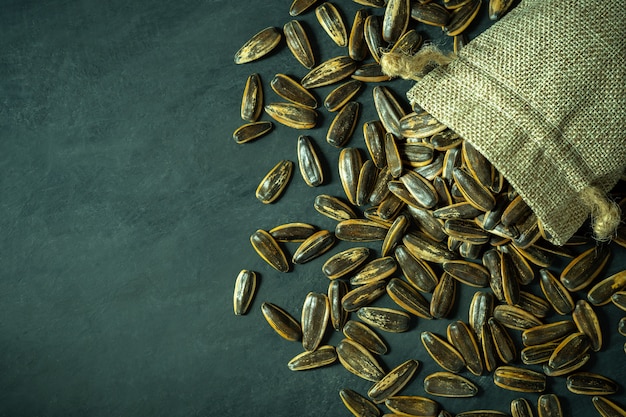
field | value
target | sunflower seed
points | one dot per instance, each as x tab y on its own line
251	131
520	407
619	300
299	6
515	317
583	269
417	272
269	250
588	383
370	72
275	182
329	72
462	210
252	100
497	8
376	270
314	246
446	140
357	48
570	350
345	262
510	282
387	319
442	352
621	326
359	361
536	354
357	404
338	316
492	260
427	249
322	356
290	90
409	43
548	405
551	332
481	308
412	405
350	164
363	296
298	43
556	294
365	336
420	188
360	230
332	22
488	348
519	379
476	194
443	297
343	125
533	304
525	273
315	314
292	232
468	273
420	125
333	208
258	46
607	408
388	109
374	135
427	223
342	94
587	322
432	14
502	339
292	115
602	292
393	382
374	36
549	371
282	322
462	17
446	384
396	19
462	337
408	298
309	163
245	289
415	154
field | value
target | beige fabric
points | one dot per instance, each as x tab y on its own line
542	95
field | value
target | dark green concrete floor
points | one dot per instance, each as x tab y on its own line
125	213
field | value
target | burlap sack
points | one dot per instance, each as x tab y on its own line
542	95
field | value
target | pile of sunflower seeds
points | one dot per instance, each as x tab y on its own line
444	217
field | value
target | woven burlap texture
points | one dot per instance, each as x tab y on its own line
542	95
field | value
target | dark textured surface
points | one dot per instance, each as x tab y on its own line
125	213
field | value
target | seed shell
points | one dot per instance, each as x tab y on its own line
374	36
374	135
292	232
443	297
442	352
515	317
520	407
570	350
329	72
587	383
536	354
363	295
555	292
462	17
290	90
550	332
621	326
427	223
245	289
446	384
393	382
332	22
334	208
548	405
357	404
269	250
549	371
360	230
519	379
584	268
409	43
395	19
338	316
412	406
300	6
388	109
375	270
417	272
432	14
492	260
490	354
481	308
345	262
420	125
502	340
602	292
298	43
275	182
394	161
607	408
462	210
282	322
473	191
365	336
619	300
462	337
359	361
343	125
322	356
394	234
342	94
309	163
314	246
350	164
427	249
534	304
387	319
357	48
588	323
420	188
258	45
251	131
408	298
292	115
467	272
252	100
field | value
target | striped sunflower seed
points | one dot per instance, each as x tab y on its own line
338	316
548	405
370	72
555	292
570	350
357	48
292	115
299	44
342	94
443	297
551	332
412	405
394	381
467	272
269	250
245	289
329	72
375	270
432	14
300	6
282	322
587	383
359	361
362	296
387	319
408	298
373	33
275	182
395	19
417	272
462	17
290	90
292	232
344	262
322	356
315	314
357	404
365	336
619	300
350	164
360	230
447	384
602	292
333	23
502	339
442	352
259	45
251	131
374	135
309	163
252	100
462	337
584	268
519	379
333	207
607	408
515	317
343	125
536	354
314	246
520	407
588	323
